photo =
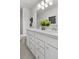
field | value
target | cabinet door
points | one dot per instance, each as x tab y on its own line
50	52
39	56
39	53
33	47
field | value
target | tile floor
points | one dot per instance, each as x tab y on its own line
24	51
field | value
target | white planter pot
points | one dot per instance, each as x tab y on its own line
43	27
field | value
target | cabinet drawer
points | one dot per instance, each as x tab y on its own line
36	35
41	36
51	41
41	50
40	56
33	47
41	43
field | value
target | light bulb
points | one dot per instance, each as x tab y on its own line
46	1
42	7
50	3
39	6
42	3
46	5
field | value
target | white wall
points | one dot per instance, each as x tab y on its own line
26	17
34	15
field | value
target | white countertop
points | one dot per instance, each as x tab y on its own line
52	33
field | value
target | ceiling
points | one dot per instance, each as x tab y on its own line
28	3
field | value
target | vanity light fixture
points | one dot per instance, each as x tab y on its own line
44	4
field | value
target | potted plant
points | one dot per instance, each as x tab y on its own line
44	23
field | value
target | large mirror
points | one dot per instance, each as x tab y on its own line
47	9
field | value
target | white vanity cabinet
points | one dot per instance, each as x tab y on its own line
42	45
